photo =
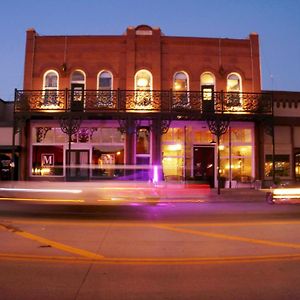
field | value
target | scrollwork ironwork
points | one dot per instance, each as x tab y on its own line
41	133
70	125
146	100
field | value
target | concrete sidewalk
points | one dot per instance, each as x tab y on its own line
238	195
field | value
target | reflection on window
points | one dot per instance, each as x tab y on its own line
282	165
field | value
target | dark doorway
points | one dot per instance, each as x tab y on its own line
77	96
204	164
208	102
78	169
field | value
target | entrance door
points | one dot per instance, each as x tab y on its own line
204	164
208	98
77	96
79	165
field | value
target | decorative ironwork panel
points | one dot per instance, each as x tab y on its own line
143	100
100	100
40	100
69	125
41	133
184	100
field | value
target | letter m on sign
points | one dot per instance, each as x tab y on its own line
47	159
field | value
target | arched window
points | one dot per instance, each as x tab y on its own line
180	82
50	89
105	93
143	90
234	89
208	78
180	89
105	80
51	80
234	83
143	80
78	77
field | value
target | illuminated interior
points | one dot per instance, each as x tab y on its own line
143	90
282	165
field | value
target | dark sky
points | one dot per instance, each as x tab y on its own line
276	21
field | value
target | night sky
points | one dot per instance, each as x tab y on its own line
276	21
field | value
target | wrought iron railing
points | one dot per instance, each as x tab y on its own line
135	101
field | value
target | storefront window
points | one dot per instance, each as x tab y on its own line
173	154
47	161
236	154
203	136
282	165
106	160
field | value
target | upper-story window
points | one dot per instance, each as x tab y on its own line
50	89
143	90
143	80
208	84
180	82
78	77
105	93
234	83
105	80
234	89
180	89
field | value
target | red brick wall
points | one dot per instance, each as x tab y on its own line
124	55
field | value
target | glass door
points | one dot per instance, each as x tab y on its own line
204	164
77	96
78	168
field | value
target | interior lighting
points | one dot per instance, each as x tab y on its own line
142	82
155	174
175	147
177	86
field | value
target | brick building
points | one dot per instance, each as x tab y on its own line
93	105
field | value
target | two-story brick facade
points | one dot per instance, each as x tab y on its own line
115	106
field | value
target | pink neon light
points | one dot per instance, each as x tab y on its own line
155	174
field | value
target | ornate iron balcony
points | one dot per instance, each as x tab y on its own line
95	101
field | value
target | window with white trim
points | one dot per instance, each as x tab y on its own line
234	89
50	89
180	89
105	86
143	90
